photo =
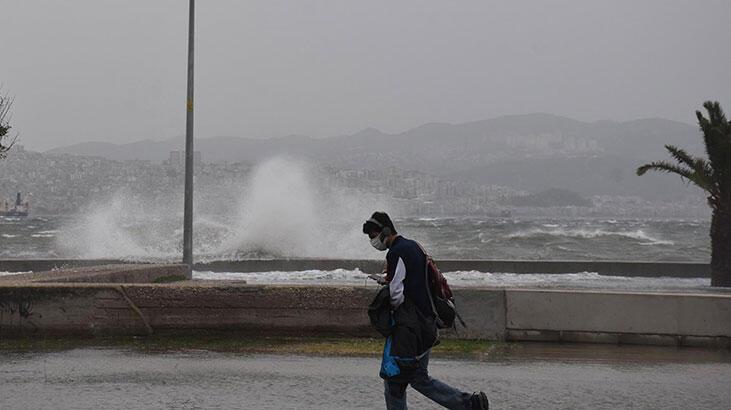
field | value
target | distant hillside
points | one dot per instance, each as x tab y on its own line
590	175
449	147
531	152
144	150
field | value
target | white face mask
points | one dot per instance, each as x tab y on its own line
378	244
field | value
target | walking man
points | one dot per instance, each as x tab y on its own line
406	279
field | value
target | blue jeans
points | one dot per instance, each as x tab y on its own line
439	392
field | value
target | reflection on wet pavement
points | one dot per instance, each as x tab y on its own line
518	376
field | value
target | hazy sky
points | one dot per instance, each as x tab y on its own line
101	70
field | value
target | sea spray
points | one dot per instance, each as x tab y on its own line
278	214
284	208
99	231
288	211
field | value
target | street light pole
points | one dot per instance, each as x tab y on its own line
188	208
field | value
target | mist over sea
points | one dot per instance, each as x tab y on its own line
284	210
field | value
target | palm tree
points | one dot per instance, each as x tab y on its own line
713	175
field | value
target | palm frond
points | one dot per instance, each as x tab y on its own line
689	174
702	169
664	166
681	156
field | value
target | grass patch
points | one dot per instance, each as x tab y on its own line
169	279
234	343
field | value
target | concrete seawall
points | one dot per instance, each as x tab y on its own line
609	268
618	317
77	302
106	309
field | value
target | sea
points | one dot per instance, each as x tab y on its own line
133	237
160	239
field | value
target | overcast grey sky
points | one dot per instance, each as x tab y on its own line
100	70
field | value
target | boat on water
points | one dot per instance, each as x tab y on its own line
20	208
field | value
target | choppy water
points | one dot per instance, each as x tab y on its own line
138	237
607	378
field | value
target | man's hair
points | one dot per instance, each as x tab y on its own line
383	219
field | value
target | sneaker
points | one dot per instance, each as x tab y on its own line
479	401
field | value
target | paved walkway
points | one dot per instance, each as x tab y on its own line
540	378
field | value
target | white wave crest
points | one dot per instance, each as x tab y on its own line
638	234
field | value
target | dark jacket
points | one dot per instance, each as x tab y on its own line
413	333
409	333
406	274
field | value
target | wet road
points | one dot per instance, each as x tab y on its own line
537	377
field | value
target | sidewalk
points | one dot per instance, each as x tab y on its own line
533	376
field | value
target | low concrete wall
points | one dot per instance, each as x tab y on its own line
39	311
483	311
43	309
91	310
610	268
94	309
98	301
613	317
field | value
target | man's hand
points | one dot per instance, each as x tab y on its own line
381	280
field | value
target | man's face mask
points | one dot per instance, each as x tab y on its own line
377	243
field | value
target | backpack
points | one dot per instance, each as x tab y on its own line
440	295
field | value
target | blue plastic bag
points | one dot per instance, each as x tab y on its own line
389	367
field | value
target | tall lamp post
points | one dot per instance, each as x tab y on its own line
188	208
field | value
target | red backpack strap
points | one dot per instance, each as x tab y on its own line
421	247
428	257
